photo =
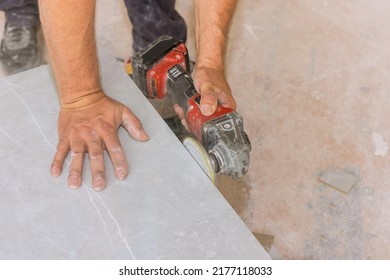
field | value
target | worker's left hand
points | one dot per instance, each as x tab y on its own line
92	128
212	86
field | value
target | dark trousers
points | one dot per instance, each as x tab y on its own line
16	10
150	18
153	18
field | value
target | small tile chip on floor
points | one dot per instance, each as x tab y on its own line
339	179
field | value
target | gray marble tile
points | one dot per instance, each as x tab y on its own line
166	208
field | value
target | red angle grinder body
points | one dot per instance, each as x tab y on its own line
161	70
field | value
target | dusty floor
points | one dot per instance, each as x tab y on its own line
311	80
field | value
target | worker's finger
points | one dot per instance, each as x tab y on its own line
116	154
226	100
59	158
180	113
96	159
133	125
208	102
77	151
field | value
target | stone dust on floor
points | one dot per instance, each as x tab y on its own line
311	81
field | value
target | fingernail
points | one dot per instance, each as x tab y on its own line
98	184
206	110
143	136
73	182
120	174
54	171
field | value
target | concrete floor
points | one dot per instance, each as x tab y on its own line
311	81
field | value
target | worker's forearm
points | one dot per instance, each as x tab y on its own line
69	33
212	25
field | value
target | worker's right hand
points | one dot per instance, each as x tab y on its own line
91	128
214	89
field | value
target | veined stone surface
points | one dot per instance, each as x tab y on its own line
166	209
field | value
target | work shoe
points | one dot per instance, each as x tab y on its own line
19	47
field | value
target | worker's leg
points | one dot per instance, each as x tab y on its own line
153	18
19	48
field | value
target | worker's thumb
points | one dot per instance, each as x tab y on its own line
133	125
208	103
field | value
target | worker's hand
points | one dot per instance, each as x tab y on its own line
91	129
213	88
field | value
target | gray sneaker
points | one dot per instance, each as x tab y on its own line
19	48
